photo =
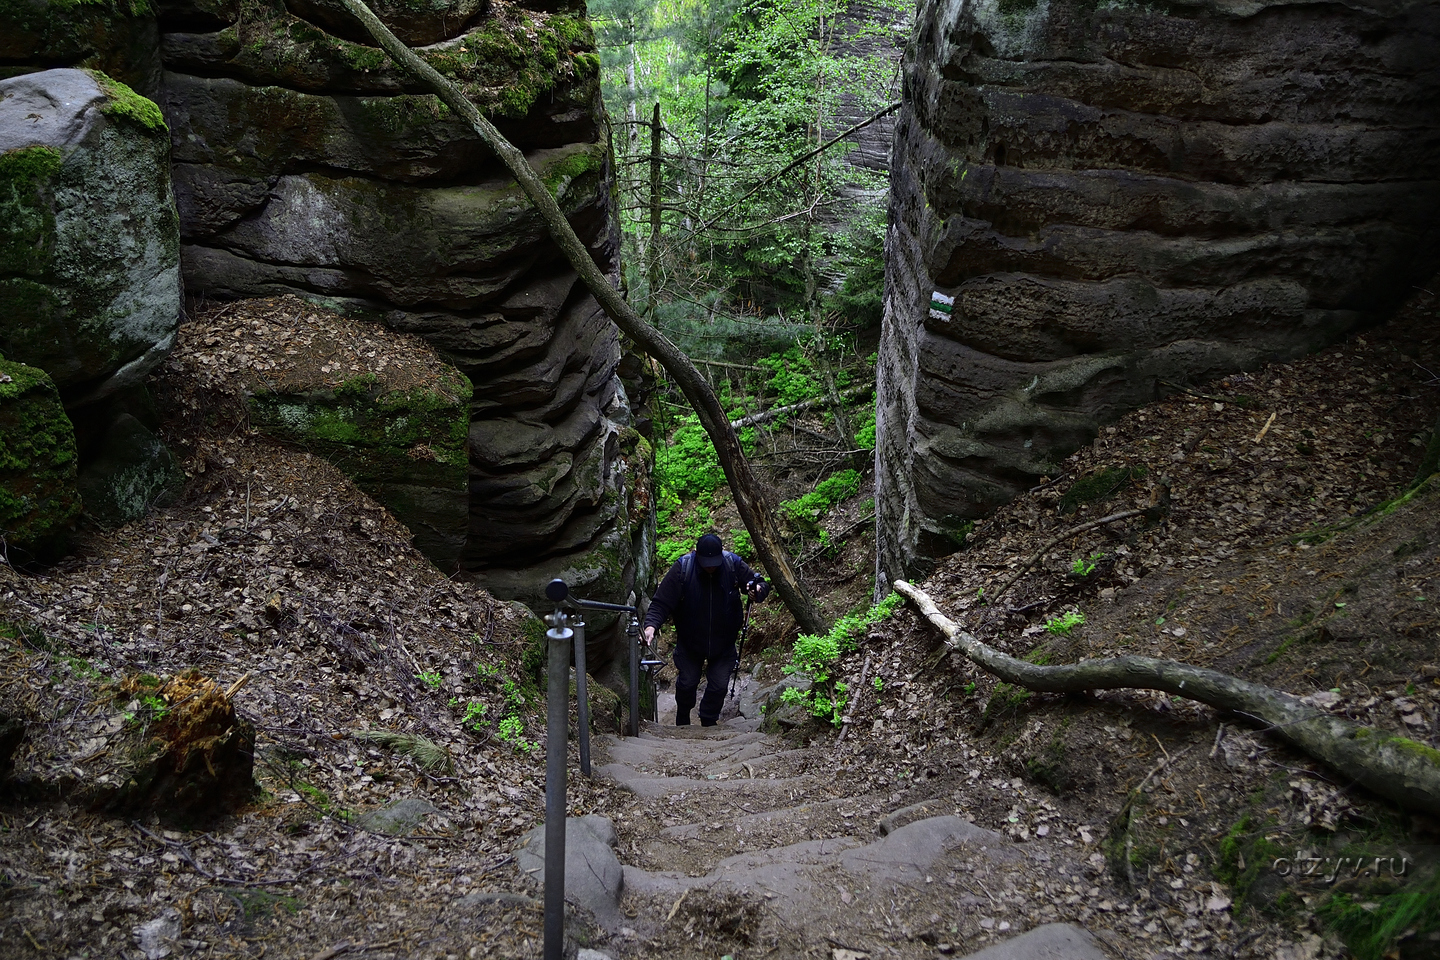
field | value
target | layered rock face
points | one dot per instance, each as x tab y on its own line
306	163
1090	202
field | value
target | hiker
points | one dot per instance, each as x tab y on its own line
701	593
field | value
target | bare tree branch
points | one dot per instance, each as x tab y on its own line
773	412
1394	767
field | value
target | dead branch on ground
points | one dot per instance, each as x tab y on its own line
1394	767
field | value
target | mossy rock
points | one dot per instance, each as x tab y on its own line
512	64
89	238
39	501
407	448
131	472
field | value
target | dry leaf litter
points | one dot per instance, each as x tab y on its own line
273	565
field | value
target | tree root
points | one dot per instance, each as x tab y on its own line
1396	768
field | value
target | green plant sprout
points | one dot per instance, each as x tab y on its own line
1083	567
1065	622
430	678
816	656
879	684
510	728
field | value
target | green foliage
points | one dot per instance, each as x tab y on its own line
1246	852
879	684
1065	622
26	634
1373	926
688	466
512	699
81	667
427	753
744	88
430	678
816	656
813	506
260	903
865	430
1083	567
793	377
1099	486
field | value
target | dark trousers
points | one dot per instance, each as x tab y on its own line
717	676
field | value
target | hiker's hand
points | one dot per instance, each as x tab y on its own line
649	634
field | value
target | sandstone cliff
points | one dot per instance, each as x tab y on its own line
1091	201
305	163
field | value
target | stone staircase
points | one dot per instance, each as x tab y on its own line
739	845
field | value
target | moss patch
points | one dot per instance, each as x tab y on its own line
128	106
1099	486
38	499
27	219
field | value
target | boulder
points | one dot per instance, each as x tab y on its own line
39	501
399	819
1090	202
594	878
404	447
381	406
130	473
89	240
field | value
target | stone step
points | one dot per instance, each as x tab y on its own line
653	786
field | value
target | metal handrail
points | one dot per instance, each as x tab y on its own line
565	629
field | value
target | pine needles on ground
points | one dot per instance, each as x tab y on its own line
429	754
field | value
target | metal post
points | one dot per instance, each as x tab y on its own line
556	749
582	692
632	635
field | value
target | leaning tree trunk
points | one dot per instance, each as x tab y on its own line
1394	767
751	504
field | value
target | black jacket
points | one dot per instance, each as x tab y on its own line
708	609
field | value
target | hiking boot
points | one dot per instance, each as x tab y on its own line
682	719
708	723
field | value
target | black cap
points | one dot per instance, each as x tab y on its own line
710	551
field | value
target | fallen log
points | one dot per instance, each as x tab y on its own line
1394	767
766	415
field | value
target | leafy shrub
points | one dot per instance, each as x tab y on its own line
510	727
793	378
688	465
865	428
812	507
815	656
1066	622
